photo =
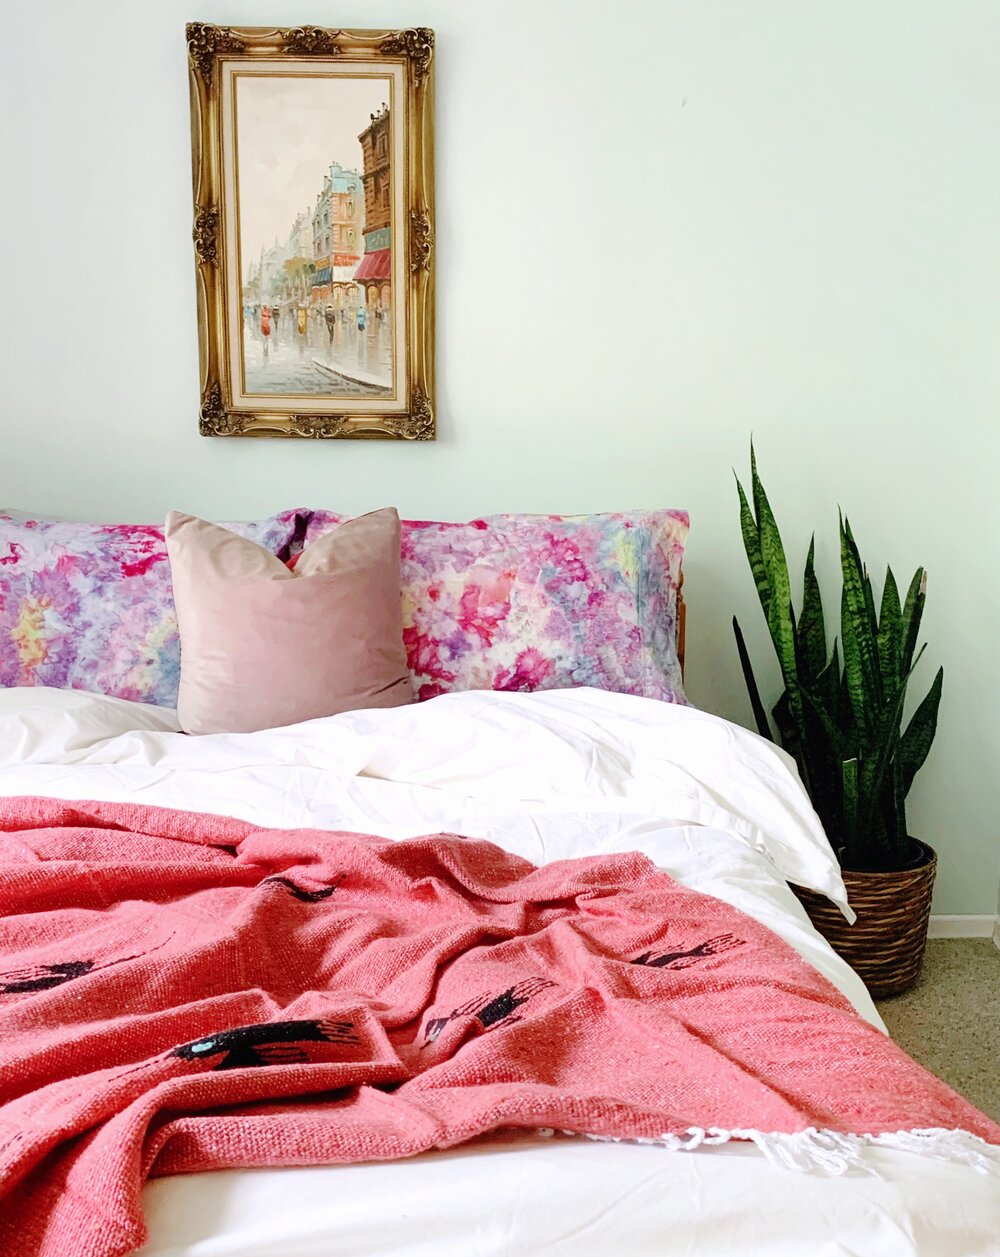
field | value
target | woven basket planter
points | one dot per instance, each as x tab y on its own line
885	945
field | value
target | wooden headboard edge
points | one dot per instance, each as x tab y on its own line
681	621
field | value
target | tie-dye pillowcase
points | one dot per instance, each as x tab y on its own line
91	606
534	602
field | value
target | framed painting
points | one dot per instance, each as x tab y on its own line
313	230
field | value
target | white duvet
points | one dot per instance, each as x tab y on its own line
548	776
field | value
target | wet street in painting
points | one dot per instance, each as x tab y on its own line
350	363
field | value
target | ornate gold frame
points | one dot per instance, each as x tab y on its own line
208	46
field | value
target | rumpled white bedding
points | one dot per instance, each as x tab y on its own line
549	776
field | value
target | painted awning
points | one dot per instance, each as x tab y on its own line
321	277
377	265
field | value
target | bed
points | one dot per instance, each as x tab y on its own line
544	775
558	775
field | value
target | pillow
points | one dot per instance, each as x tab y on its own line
263	645
534	602
89	606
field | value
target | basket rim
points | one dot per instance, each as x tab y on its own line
929	862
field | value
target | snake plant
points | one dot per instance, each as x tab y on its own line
840	716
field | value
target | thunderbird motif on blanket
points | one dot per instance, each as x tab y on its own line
45	977
270	1043
300	892
683	959
497	1010
42	977
128	1072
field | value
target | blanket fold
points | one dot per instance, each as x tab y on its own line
182	992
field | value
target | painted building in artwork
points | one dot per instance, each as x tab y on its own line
337	230
271	270
297	265
374	275
260	275
252	286
282	274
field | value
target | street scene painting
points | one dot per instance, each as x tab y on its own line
313	231
314	216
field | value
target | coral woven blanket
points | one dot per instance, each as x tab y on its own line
182	992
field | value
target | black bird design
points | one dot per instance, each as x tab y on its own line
300	893
45	977
268	1043
42	977
683	959
497	1010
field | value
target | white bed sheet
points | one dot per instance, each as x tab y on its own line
549	776
529	1197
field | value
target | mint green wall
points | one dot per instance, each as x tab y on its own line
806	195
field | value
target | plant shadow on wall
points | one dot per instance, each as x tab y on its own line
840	716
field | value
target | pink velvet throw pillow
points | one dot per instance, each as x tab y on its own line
263	645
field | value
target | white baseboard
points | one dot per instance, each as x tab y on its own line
965	927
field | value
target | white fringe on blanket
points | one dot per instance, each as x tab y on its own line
813	1151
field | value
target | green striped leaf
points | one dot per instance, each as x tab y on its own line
872	621
811	630
823	746
890	636
828	681
876	765
896	810
869	601
816	704
755	483
845	713
913	610
788	731
780	618
751	543
858	636
822	758
759	714
916	741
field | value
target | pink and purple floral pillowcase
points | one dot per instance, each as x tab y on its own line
512	602
91	607
532	602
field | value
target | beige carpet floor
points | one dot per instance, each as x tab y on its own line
950	1020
